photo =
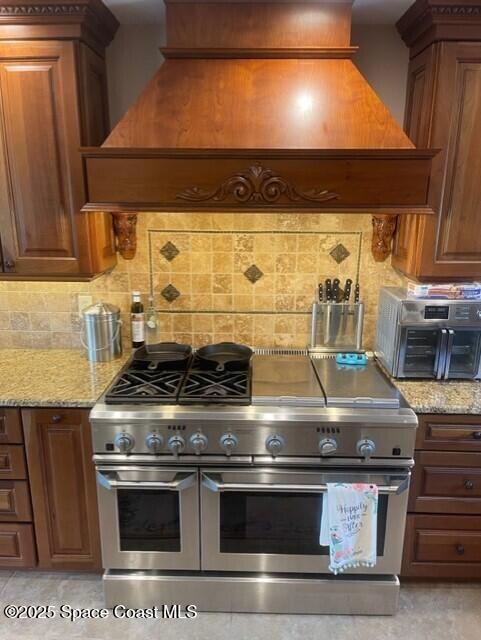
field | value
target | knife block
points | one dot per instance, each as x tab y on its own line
337	326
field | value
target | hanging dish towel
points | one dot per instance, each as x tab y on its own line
349	525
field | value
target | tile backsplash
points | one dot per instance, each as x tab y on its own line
244	277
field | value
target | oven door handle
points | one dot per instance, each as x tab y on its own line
179	483
214	482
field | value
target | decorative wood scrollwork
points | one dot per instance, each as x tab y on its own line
125	225
257	185
383	228
455	10
43	9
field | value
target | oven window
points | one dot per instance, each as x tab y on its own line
421	349
149	520
279	523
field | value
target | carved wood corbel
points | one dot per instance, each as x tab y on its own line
383	228
125	226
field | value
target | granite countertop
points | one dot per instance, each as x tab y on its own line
429	396
65	378
53	378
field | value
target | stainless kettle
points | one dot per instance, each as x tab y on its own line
101	332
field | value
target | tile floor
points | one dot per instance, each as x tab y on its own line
428	611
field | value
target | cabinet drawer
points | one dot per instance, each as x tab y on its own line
10	427
446	483
449	433
12	462
442	547
448	546
17	546
14	501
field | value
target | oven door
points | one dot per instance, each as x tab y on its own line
422	352
149	517
268	520
463	358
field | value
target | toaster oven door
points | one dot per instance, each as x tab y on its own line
422	352
463	354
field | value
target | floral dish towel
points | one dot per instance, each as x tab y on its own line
349	525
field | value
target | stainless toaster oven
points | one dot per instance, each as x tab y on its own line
438	339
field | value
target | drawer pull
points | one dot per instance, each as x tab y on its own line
57	418
477	435
469	484
460	549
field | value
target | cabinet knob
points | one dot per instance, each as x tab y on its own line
477	435
10	265
469	484
56	418
460	549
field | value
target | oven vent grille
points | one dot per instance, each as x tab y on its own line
386	329
280	352
323	356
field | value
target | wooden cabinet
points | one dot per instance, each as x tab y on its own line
443	111
63	488
53	100
443	529
17	544
10	427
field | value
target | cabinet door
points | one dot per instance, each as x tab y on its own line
42	167
94	98
449	246
419	101
63	489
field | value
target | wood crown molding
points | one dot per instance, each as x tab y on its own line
93	15
428	21
319	53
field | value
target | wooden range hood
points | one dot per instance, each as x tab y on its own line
258	107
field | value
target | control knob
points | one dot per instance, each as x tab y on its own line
124	442
229	442
176	444
274	445
154	442
199	442
366	448
327	446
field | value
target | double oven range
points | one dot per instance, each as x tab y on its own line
216	500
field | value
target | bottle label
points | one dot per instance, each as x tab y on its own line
137	322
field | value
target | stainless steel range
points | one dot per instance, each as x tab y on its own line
217	501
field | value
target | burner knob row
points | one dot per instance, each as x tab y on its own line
199	443
229	442
327	446
124	442
176	444
154	442
275	444
366	448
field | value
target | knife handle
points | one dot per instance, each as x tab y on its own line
321	292
328	290
347	290
356	292
335	289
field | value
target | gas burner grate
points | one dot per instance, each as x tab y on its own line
216	387
145	387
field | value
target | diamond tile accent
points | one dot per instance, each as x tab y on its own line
170	293
339	253
253	274
169	251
